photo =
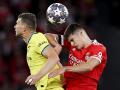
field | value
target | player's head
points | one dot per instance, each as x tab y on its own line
25	22
76	35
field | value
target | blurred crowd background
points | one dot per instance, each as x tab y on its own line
101	18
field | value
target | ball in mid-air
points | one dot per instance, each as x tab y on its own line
57	13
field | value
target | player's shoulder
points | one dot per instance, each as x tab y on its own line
38	36
97	45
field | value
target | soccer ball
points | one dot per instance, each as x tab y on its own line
57	13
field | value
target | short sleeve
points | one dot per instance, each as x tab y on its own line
98	52
42	43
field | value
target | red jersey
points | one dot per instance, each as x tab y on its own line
88	80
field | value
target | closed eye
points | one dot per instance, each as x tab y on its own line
71	40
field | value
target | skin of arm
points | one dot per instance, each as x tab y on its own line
81	68
53	40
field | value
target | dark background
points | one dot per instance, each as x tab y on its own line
101	18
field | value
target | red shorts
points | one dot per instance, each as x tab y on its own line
72	85
81	88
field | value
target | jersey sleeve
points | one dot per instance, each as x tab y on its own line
98	52
42	43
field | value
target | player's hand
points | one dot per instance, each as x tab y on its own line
57	72
31	80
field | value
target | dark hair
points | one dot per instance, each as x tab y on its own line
29	19
71	29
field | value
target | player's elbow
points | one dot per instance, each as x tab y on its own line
55	58
60	47
90	66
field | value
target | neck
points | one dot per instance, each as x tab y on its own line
27	36
87	42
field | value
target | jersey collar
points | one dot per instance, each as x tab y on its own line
28	39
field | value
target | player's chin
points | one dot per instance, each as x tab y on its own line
17	34
78	48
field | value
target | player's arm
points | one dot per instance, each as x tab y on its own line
81	68
84	66
93	60
53	40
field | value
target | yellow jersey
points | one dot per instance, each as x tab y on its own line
37	43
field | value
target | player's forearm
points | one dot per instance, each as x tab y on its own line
80	68
50	64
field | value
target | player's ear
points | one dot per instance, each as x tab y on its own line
80	32
25	30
